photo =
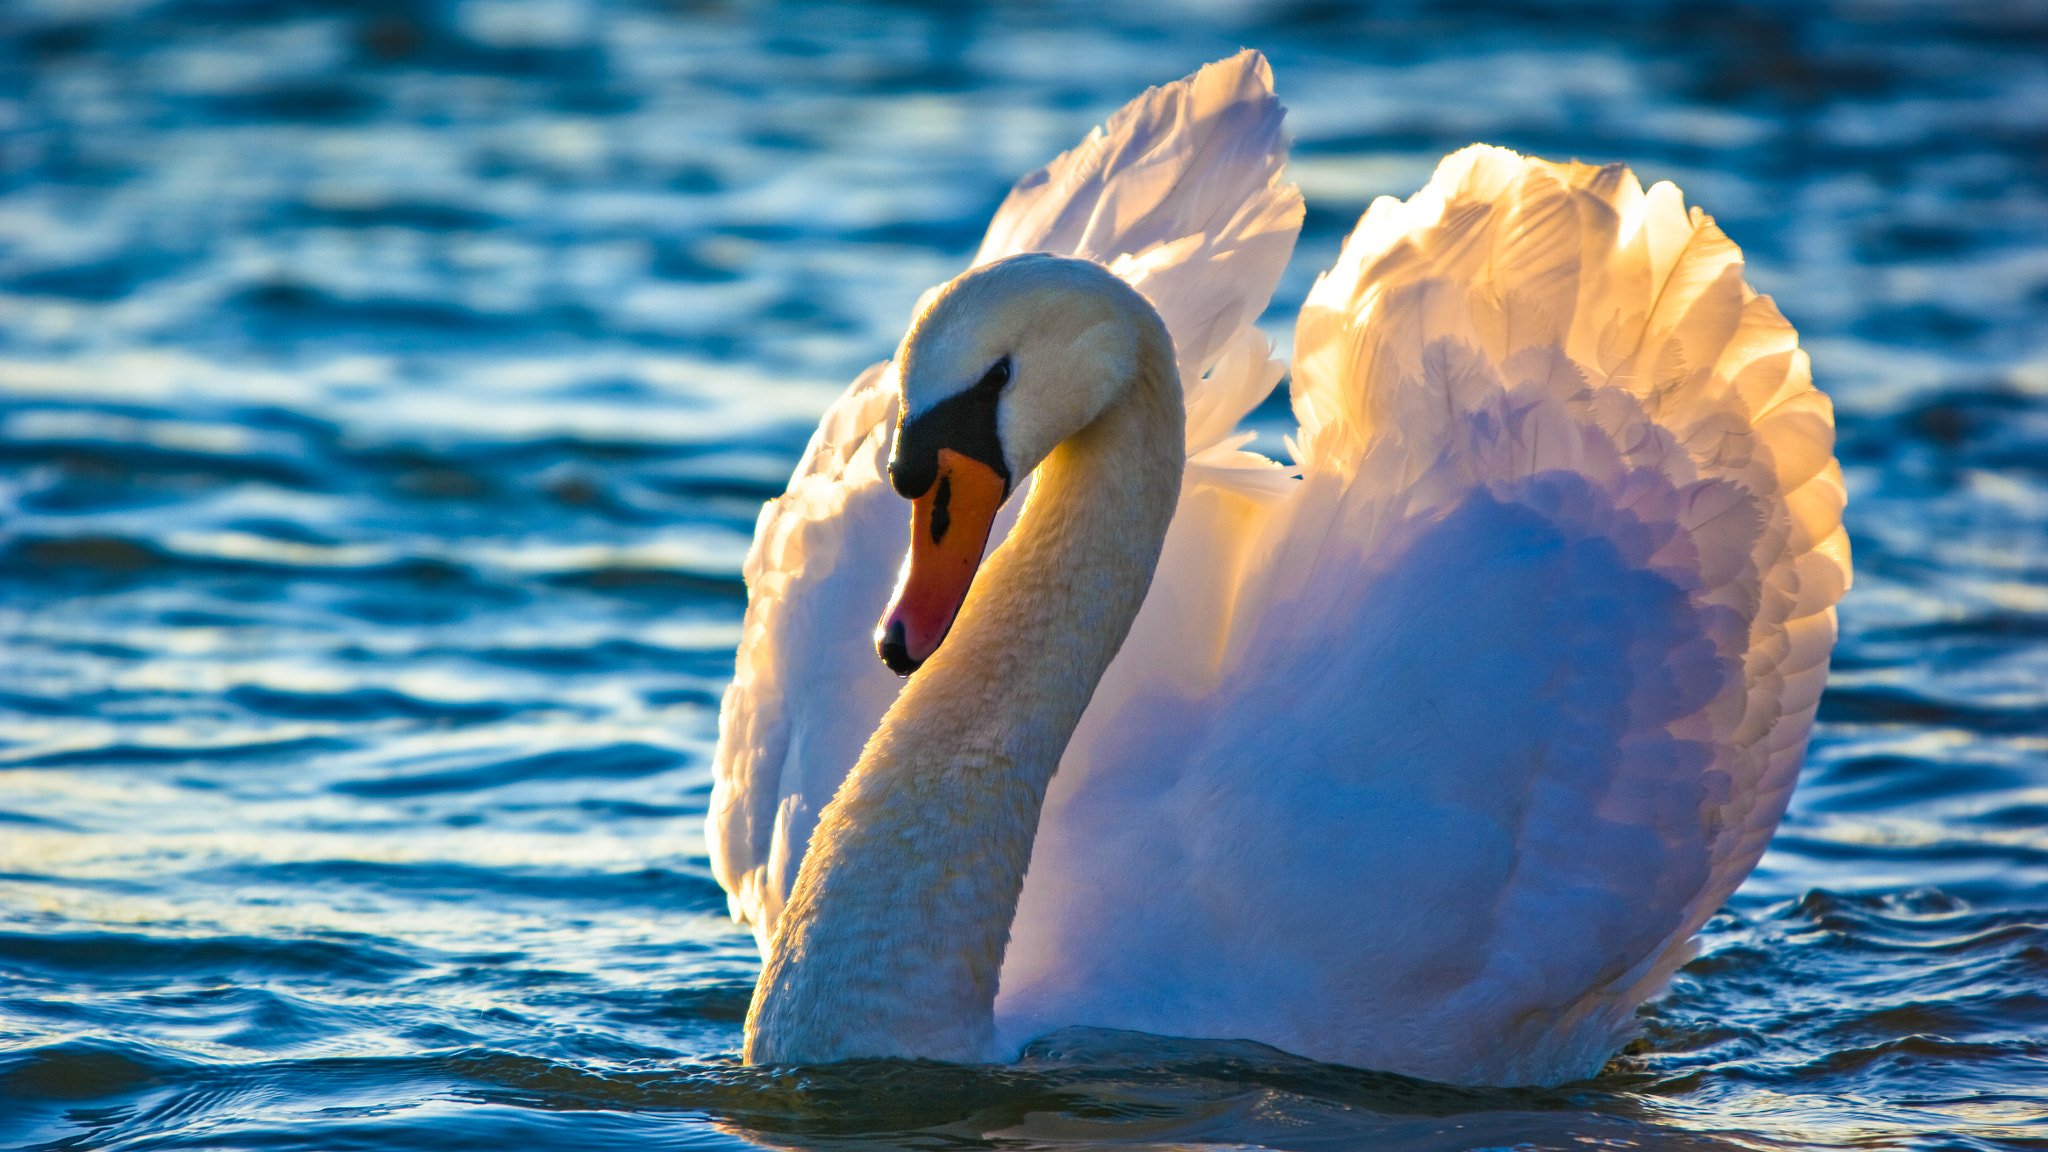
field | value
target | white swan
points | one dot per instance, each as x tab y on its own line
1429	760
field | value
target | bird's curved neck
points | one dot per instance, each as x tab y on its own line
893	937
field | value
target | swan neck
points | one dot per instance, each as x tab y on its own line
893	938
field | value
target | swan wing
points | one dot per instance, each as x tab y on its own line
1180	192
1505	697
807	688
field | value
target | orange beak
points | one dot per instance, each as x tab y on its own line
949	527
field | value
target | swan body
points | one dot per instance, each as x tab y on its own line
1430	758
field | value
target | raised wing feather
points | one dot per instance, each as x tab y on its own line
807	688
1181	194
1479	722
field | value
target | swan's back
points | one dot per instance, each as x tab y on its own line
1435	762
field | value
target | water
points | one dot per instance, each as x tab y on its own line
387	389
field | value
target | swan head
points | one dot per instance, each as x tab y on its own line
1005	361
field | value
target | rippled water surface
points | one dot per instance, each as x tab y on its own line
387	389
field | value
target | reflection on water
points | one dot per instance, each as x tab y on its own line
387	389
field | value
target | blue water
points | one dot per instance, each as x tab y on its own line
387	389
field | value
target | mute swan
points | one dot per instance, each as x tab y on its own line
1429	760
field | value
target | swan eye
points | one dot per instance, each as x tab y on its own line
964	422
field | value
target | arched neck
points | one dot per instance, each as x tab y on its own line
893	937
